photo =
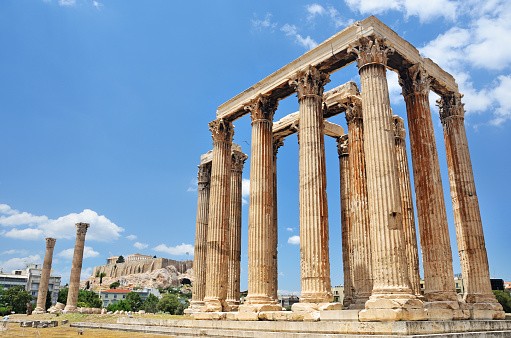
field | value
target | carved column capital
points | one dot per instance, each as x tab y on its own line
204	175
238	160
262	108
50	242
414	80
222	130
277	143
399	128
371	50
310	82
342	145
81	229
450	106
353	111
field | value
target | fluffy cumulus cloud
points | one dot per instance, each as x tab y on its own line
31	227
292	31
140	246
294	240
179	250
86	273
316	10
88	252
18	263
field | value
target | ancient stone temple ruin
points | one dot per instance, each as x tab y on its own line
379	241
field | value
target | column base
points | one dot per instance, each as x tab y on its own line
70	309
393	307
39	310
233	305
446	310
195	306
259	307
486	311
316	297
213	305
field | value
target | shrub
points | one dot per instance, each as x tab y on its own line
119	306
168	303
134	300
504	299
150	305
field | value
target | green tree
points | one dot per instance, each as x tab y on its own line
114	285
16	299
89	298
504	299
119	306
62	296
150	305
48	300
120	259
101	275
134	300
168	303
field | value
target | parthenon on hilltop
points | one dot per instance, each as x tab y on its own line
379	241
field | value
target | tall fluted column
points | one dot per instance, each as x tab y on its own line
260	221
411	249
439	287
218	223
392	298
233	291
277	143
343	151
201	237
467	217
315	263
358	209
76	269
45	276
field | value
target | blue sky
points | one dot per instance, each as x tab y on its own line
104	107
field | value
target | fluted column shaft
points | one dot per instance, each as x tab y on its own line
391	287
233	291
467	217
343	151
45	275
219	212
201	235
277	143
433	229
260	222
76	269
358	209
411	248
315	263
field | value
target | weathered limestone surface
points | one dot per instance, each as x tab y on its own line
347	251
76	269
201	236
412	252
219	212
277	143
392	297
315	263
358	210
467	217
233	280
261	222
440	292
45	276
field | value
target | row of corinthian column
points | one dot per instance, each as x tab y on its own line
380	253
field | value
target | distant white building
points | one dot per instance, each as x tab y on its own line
29	278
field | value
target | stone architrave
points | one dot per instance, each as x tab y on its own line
233	265
45	276
358	209
412	252
392	298
347	258
260	220
277	143
219	213
440	291
467	217
201	236
76	269
315	262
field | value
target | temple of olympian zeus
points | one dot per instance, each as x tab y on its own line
379	241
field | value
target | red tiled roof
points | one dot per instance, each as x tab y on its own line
117	291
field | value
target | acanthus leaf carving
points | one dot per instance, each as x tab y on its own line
204	175
414	80
342	145
450	105
221	130
371	50
310	82
263	107
81	229
238	160
353	111
277	143
399	128
50	242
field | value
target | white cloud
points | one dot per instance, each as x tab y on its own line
67	2
86	273
394	88
15	251
314	10
6	210
19	262
131	237
28	234
183	249
140	246
294	240
245	190
96	4
88	252
290	229
15	217
264	24
291	30
193	185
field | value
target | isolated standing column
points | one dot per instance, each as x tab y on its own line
201	236
76	270
45	275
219	213
392	298
467	217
